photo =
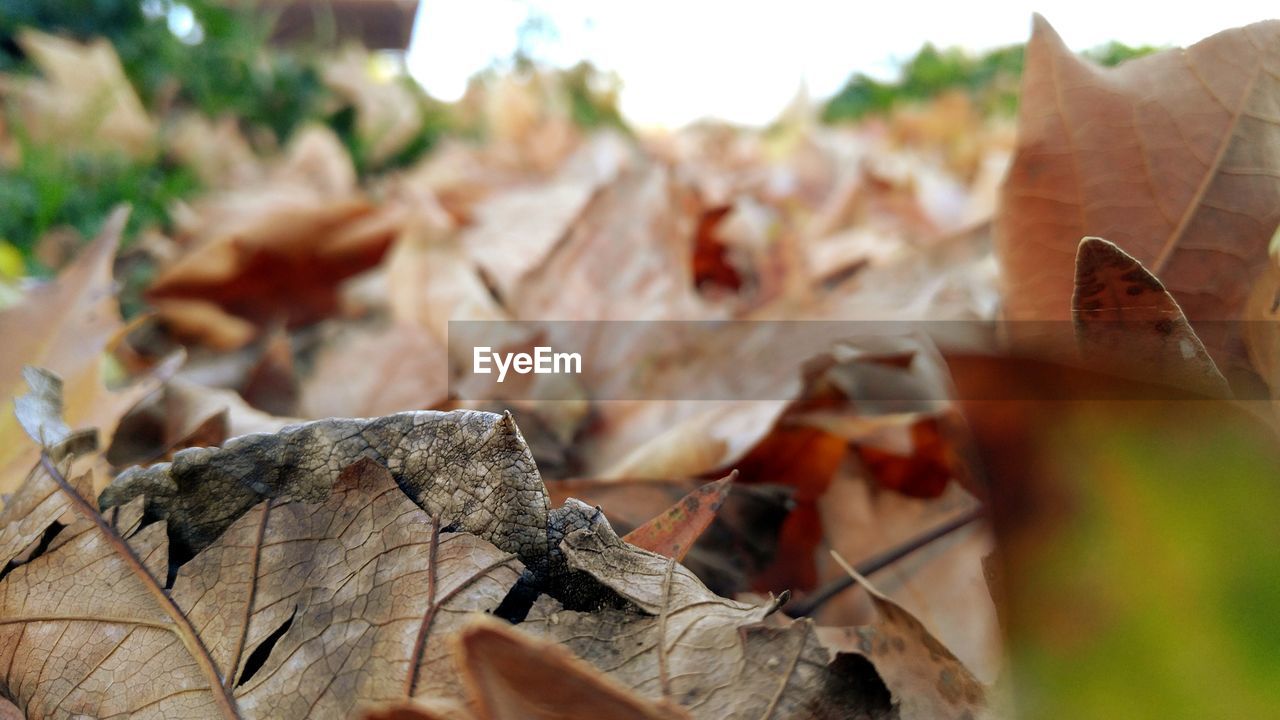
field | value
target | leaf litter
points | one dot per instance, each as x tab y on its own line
334	550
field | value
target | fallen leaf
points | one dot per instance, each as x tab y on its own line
942	584
740	542
66	326
513	676
182	415
84	97
1125	322
1173	157
675	531
278	249
39	411
711	655
252	621
371	371
927	681
515	230
444	461
633	241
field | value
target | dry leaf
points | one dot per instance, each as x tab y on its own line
711	655
632	242
66	326
367	372
314	585
84	98
1174	157
942	584
513	676
338	627
927	681
675	531
1127	323
278	250
515	230
468	468
740	541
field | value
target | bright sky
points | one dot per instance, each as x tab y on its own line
744	61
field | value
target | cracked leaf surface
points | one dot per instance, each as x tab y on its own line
716	657
469	469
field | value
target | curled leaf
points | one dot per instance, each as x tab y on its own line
471	469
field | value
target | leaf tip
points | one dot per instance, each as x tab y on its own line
39	410
1095	253
1042	31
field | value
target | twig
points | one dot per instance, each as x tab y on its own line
815	600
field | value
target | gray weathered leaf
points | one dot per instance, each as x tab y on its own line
469	469
716	657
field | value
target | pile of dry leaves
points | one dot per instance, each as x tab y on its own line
236	544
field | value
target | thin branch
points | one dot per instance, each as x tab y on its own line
815	600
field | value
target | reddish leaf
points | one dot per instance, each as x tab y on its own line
673	532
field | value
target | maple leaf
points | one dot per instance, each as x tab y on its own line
84	98
1172	157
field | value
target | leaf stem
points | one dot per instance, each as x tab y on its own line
815	600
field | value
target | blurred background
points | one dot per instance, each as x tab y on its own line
319	188
276	65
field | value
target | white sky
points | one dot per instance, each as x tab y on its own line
744	61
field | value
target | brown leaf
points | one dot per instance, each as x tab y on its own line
66	327
711	655
372	371
633	241
675	531
515	230
741	540
1174	157
84	99
513	676
942	584
277	250
927	681
373	616
431	709
467	468
712	268
1127	323
357	589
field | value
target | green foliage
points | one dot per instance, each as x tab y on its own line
436	123
48	188
1114	53
220	67
593	97
991	79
